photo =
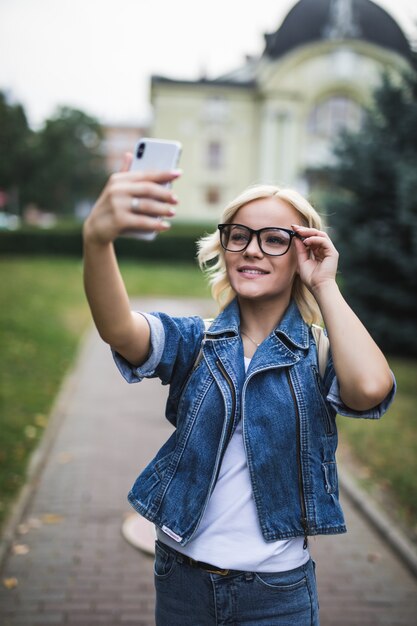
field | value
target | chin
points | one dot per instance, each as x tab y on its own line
261	295
253	294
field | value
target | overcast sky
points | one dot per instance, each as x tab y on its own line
98	55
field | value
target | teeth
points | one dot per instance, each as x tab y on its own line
252	272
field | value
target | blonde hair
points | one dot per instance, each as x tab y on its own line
211	256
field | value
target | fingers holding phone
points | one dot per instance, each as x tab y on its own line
154	158
152	202
127	204
137	201
149	211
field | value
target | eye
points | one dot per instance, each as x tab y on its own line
275	240
239	235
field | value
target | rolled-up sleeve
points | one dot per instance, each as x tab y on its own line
333	397
134	374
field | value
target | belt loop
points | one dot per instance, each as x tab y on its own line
249	576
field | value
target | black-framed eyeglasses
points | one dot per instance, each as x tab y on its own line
272	241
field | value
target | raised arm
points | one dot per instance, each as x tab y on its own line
126	331
363	373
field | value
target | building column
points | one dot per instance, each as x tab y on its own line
268	145
285	148
277	148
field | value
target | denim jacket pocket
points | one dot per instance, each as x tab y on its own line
282	581
330	476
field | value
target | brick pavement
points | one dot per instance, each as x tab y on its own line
77	569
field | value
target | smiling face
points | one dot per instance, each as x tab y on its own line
252	274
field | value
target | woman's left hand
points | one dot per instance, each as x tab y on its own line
317	257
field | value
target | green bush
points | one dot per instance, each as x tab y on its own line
41	242
179	244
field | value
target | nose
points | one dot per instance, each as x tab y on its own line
253	248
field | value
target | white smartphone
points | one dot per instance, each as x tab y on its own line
154	155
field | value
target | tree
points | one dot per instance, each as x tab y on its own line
15	142
69	161
54	168
374	215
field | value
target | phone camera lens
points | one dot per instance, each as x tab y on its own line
141	150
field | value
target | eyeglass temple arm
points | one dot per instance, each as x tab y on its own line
298	236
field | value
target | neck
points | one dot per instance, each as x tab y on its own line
259	319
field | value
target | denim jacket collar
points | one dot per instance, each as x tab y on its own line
292	326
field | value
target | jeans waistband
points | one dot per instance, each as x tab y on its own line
207	567
213	569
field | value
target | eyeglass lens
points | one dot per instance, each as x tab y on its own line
274	241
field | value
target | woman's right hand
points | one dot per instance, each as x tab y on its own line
131	200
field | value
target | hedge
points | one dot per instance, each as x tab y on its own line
177	246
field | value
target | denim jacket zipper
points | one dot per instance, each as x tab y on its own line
229	431
228	435
304	522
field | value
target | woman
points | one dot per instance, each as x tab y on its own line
249	472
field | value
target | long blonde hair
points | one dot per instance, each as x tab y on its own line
211	257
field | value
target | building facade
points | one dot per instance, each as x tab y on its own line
275	119
119	139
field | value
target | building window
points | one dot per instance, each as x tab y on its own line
216	109
331	116
212	195
214	155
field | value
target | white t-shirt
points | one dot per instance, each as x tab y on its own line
229	535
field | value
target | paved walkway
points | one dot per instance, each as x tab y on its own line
70	564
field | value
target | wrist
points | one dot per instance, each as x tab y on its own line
90	235
325	289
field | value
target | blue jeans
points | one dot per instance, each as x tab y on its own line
189	596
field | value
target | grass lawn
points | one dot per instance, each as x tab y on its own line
43	315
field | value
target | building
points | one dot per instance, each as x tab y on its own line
119	139
275	118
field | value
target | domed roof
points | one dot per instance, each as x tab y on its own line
317	20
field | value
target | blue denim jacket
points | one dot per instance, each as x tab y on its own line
289	426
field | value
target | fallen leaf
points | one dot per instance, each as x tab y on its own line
65	457
41	420
52	518
374	557
10	583
20	549
31	432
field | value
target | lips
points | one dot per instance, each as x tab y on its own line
250	270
